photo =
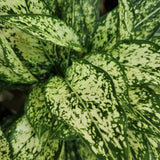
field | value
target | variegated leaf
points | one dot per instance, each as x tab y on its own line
4	147
86	101
146	107
106	34
140	60
106	62
12	6
11	68
26	145
147	18
23	7
31	51
41	119
143	124
47	28
126	19
81	15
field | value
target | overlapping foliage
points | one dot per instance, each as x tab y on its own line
95	81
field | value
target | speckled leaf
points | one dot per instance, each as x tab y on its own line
12	6
106	62
143	125
140	60
41	119
106	34
23	7
37	112
147	18
86	97
82	16
146	106
4	147
26	144
126	19
31	51
47	28
11	68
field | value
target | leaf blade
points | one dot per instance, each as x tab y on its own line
47	28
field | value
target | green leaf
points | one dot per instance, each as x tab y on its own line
4	147
106	62
10	7
41	119
46	28
143	124
106	33
82	16
140	60
146	18
86	97
26	145
11	68
31	51
23	7
126	19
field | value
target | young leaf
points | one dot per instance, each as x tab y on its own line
106	34
146	18
46	28
126	19
86	97
82	16
26	144
4	147
32	53
11	68
140	60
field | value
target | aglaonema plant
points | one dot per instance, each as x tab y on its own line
95	81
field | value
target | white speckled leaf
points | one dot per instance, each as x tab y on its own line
41	118
147	18
27	146
29	50
86	97
143	125
29	6
106	62
146	106
106	34
126	19
11	68
37	112
47	28
12	6
4	147
82	16
140	60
